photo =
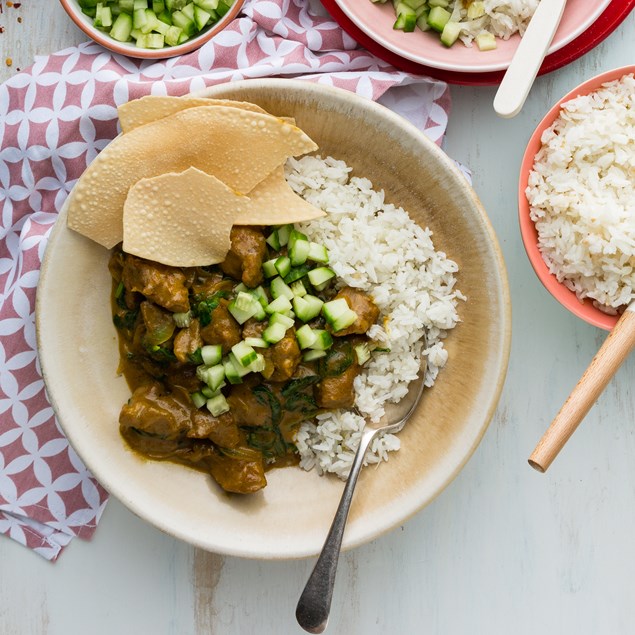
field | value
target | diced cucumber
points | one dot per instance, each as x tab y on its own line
438	18
295	235
439	3
217	405
139	4
406	18
321	275
256	342
215	376
299	252
414	4
279	287
208	393
281	304
172	36
258	365
296	273
363	353
318	253
158	6
198	399
283	234
211	354
184	23
274	333
141	40
139	20
307	307
121	28
154	41
305	336
323	340
222	8
343	321
312	355
298	289
207	5
127	6
201	18
104	17
283	265
244	353
240	315
422	21
183	38
151	22
485	41
333	309
269	268
136	34
240	369
165	17
451	32
273	240
233	376
475	10
161	27
279	318
188	11
245	301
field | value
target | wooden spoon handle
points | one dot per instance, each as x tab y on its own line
604	365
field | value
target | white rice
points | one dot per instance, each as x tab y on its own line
581	193
376	247
503	18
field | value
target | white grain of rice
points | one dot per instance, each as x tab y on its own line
376	247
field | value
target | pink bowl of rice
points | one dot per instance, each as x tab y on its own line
576	198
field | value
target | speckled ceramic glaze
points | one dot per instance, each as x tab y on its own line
291	516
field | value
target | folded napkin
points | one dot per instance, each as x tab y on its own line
54	119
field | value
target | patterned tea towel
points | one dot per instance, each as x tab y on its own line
54	119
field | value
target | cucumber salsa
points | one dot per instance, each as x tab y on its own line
154	24
225	362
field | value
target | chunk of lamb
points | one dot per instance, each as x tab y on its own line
285	356
337	392
163	285
245	256
367	311
187	341
222	329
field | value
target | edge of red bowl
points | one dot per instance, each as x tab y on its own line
584	310
74	13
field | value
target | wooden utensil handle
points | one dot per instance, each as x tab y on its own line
604	365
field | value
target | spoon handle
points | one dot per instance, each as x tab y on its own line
604	365
528	58
314	604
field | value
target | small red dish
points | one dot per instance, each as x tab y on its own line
85	23
567	298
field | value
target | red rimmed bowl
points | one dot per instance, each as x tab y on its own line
567	298
129	49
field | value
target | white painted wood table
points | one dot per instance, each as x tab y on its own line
504	550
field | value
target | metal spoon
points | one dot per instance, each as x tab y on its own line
314	605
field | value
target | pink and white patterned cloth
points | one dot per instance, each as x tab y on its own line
54	119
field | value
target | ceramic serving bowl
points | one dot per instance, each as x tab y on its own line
291	516
567	298
85	23
377	19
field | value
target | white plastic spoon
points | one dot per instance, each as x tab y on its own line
528	58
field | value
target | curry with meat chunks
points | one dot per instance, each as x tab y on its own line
225	361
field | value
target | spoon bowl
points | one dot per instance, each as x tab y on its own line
314	604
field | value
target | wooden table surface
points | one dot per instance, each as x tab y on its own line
504	550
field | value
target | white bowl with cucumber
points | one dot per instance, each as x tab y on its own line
152	29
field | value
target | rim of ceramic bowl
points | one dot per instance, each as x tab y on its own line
122	48
485	66
568	299
468	445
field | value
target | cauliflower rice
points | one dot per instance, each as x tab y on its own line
581	193
376	247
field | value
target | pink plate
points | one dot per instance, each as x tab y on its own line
568	299
376	21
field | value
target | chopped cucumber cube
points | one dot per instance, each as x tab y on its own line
363	353
217	405
258	365
298	289
233	376
269	268
172	35
323	340
184	23
273	240
318	253
256	342
305	336
438	3
283	265
320	276
240	315
312	355
244	353
475	10
307	307
222	8
279	318
295	235
188	11
207	5
215	376
283	234
343	321
299	252
274	333
198	399
451	32
296	273
281	304
121	28
333	309
211	354
279	287
485	41
438	18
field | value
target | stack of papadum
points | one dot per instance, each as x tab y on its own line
183	172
